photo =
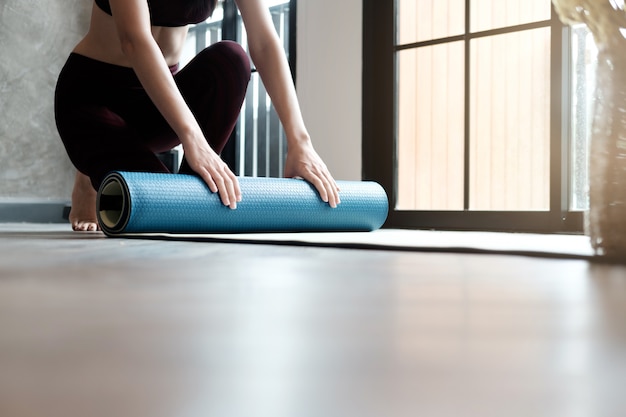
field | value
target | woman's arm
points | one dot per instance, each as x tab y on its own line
132	20
269	58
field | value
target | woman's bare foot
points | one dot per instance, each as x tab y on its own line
83	213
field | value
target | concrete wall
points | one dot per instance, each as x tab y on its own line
35	39
329	80
37	35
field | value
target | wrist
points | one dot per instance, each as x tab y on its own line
299	139
191	137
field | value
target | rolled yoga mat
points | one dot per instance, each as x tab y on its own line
139	202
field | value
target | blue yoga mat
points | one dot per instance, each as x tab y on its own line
139	202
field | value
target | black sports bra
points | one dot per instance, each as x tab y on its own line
172	13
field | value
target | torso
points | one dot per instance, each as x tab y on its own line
101	41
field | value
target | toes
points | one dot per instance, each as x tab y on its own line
85	226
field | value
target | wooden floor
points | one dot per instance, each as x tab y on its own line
91	326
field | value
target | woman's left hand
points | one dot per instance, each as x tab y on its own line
304	162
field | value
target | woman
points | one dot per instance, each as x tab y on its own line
121	98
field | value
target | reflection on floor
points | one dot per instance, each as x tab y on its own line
92	326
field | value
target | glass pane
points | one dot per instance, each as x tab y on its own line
423	20
492	14
430	127
510	121
584	58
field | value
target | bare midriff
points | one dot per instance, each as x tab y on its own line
102	43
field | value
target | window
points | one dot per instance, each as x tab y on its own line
258	145
464	120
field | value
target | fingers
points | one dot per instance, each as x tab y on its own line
227	185
215	173
332	190
222	180
326	187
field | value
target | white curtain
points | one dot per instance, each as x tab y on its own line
606	219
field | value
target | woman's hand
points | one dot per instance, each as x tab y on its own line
303	161
214	171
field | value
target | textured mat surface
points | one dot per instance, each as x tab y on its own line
133	202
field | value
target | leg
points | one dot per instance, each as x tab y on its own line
108	123
97	139
83	210
112	146
214	86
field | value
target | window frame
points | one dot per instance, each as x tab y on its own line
380	131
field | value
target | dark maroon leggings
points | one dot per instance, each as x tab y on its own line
107	121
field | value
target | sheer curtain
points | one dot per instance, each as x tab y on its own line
606	218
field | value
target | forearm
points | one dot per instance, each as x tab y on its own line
132	20
154	75
270	60
273	68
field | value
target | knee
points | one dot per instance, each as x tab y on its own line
235	56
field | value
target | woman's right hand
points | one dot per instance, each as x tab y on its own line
214	171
